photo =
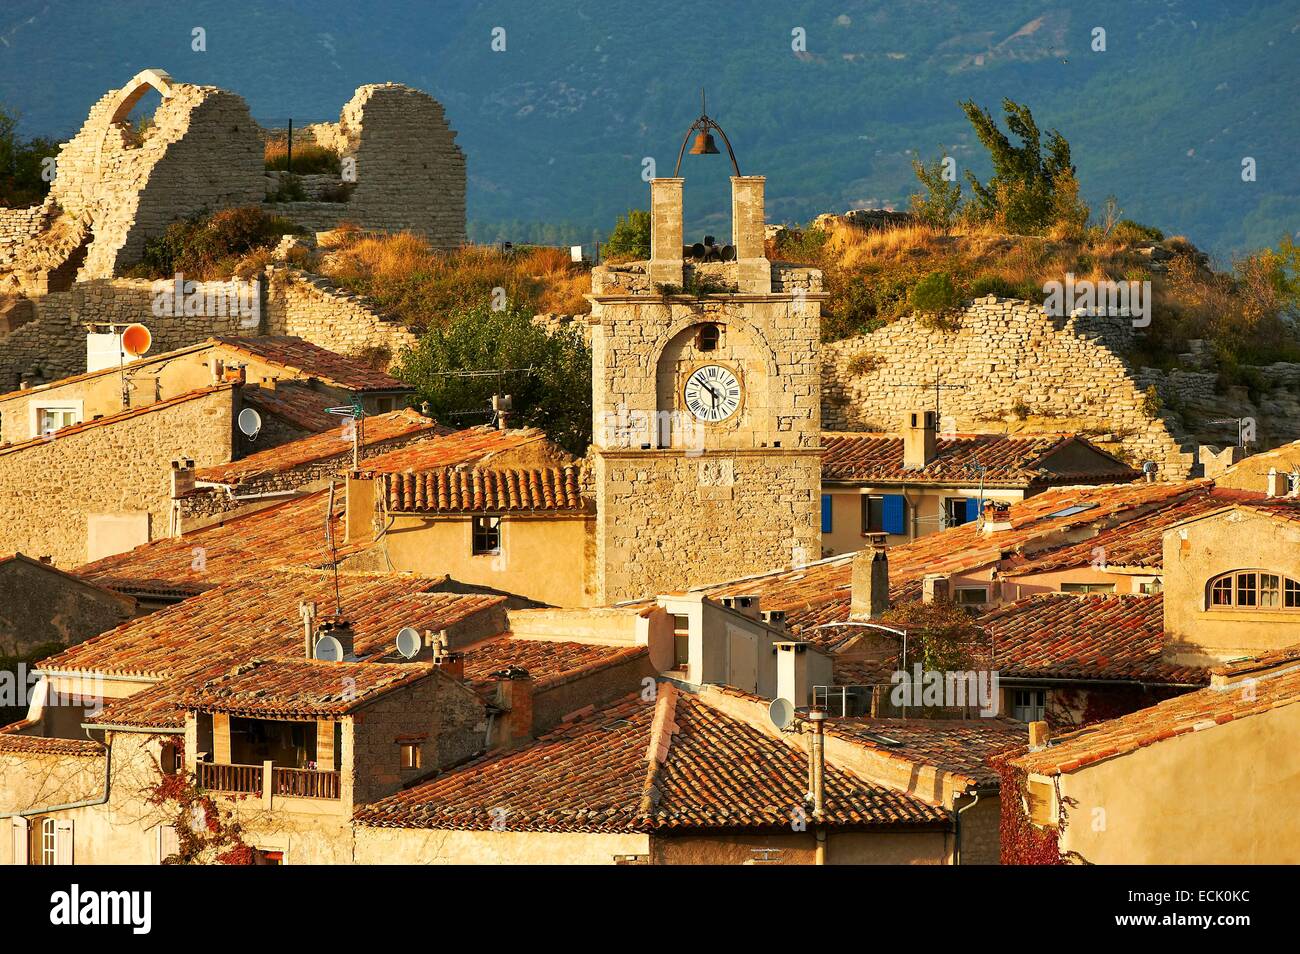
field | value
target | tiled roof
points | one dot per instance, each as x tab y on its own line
810	594
301	688
1135	543
548	662
13	742
676	764
473	445
248	547
335	442
961	746
1059	636
259	618
1265	661
1182	715
457	490
297	404
1007	459
311	361
74	429
88	375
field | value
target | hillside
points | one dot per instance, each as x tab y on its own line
556	126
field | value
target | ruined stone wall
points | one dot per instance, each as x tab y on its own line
203	153
312	308
49	489
16	227
1009	361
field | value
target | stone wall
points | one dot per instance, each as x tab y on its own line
16	227
314	309
50	488
40	606
1009	362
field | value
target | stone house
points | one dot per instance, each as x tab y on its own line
891	488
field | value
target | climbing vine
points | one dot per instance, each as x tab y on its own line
1021	841
205	833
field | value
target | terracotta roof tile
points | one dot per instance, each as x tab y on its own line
13	742
334	443
297	404
457	490
548	662
1192	712
473	445
962	746
301	688
1008	460
313	361
676	764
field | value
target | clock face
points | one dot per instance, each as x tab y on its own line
712	393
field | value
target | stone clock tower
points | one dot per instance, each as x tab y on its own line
706	401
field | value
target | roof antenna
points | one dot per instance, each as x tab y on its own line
334	553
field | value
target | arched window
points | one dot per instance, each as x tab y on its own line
1253	589
708	338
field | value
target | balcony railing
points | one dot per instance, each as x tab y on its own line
305	783
268	780
245	779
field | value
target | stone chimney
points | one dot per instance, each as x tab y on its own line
1276	483
218	368
665	265
514	696
452	663
753	270
870	584
1039	735
341	630
792	672
919	431
936	588
182	477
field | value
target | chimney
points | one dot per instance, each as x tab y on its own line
753	270
1039	736
997	516
744	605
665	265
918	440
935	588
870	584
308	613
182	477
792	672
218	368
238	375
341	630
359	507
452	663
1276	482
514	696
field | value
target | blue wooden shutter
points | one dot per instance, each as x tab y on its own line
893	516
826	513
972	509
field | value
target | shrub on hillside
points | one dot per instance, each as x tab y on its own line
308	158
935	294
940	203
22	163
1128	231
630	240
211	247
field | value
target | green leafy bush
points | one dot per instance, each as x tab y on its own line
211	247
630	240
935	294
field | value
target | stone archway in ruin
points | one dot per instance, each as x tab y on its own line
127	98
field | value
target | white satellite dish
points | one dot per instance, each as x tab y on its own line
781	712
408	642
250	422
328	649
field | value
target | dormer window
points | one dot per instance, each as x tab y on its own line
1254	589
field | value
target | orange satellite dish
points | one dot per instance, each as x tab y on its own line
136	340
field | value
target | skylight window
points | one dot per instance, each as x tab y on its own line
1071	511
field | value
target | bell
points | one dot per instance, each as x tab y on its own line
704	145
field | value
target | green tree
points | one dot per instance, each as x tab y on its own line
547	372
939	203
630	239
22	164
1033	186
942	636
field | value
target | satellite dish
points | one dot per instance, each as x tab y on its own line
781	712
136	340
408	642
250	422
328	649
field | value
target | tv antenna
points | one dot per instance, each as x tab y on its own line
352	411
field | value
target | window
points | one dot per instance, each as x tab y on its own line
873	514
171	758
708	338
487	535
1150	587
681	642
959	510
827	506
410	755
50	419
972	595
383	405
48	854
1087	587
1029	705
1253	589
267	856
1071	511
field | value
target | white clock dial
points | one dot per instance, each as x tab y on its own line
712	393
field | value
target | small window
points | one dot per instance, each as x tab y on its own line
708	338
972	595
266	856
873	513
410	755
384	404
487	535
1221	592
48	852
1270	595
51	419
956	511
681	642
171	758
1029	705
1150	587
1291	598
1087	588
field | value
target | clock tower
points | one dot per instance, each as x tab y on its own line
706	403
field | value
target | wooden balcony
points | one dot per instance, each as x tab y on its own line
267	780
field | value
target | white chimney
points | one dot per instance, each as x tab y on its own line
936	588
919	432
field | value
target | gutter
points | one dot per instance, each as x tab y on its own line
956	817
108	777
